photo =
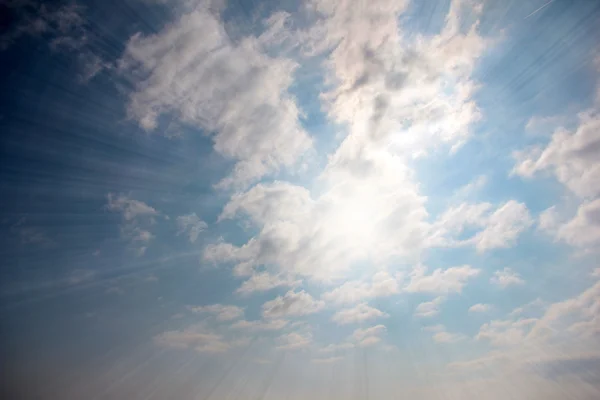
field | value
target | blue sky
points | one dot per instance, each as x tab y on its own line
327	199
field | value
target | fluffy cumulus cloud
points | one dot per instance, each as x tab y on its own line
138	220
572	156
451	280
480	308
200	339
429	308
263	281
232	91
190	225
441	335
357	314
506	277
382	284
556	336
222	312
497	228
291	304
294	341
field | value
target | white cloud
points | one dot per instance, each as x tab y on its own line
450	280
231	90
294	340
263	281
291	304
506	332
369	336
412	93
571	156
397	97
499	229
506	277
447	337
480	308
361	334
138	218
429	308
337	347
200	339
192	225
441	335
128	207
359	313
375	218
260	325
382	284
222	312
583	230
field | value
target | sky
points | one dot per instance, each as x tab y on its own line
300	199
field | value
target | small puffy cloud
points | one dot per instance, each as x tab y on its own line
369	341
200	339
291	304
260	325
506	277
294	340
359	313
336	347
447	337
506	332
571	156
361	334
583	230
450	280
128	207
498	228
382	284
441	335
595	273
222	312
191	225
480	308
138	218
429	308
263	281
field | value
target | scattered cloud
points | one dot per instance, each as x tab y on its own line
369	336
357	314
232	91
292	304
138	218
294	341
200	339
222	312
450	280
429	308
260	325
382	284
480	308
498	229
506	277
263	281
191	225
